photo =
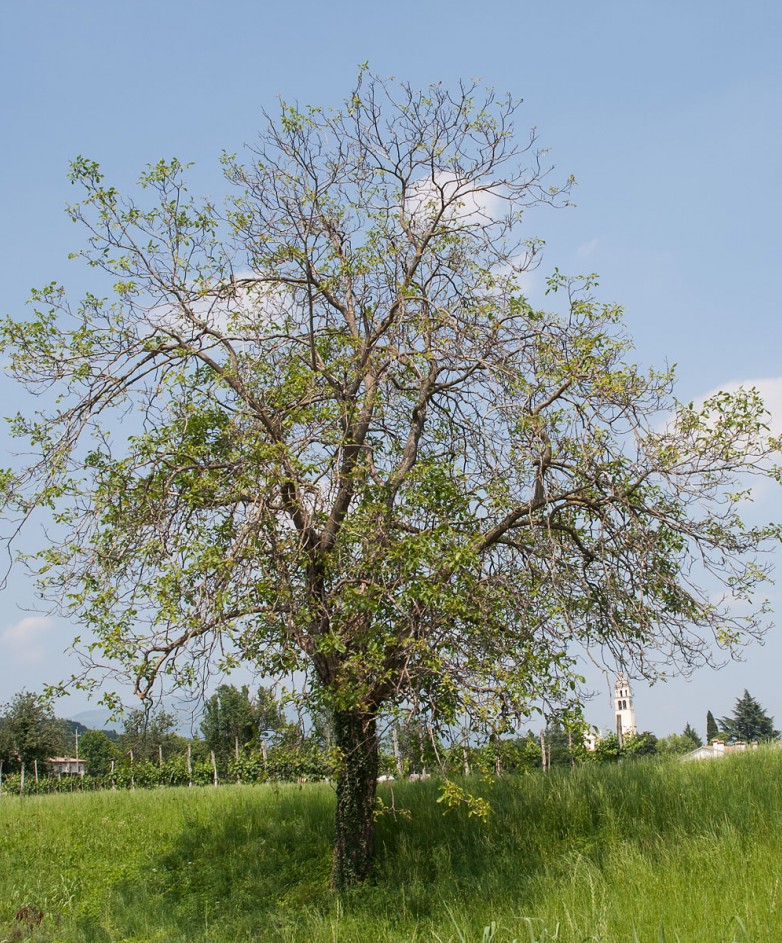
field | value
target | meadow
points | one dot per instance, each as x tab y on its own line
638	852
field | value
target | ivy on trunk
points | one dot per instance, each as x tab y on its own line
354	840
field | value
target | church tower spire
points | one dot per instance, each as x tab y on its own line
623	708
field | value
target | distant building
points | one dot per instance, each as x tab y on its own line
60	766
623	709
591	740
624	715
717	749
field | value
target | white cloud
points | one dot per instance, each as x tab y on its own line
765	492
26	639
469	203
770	390
587	248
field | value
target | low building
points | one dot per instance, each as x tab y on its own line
719	748
60	766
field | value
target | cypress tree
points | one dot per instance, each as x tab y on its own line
712	730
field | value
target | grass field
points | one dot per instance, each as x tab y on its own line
646	851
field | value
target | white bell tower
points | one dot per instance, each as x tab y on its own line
623	708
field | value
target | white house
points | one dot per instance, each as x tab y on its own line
60	766
717	749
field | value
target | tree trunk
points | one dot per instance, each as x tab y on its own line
355	734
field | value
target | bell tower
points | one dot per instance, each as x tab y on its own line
623	708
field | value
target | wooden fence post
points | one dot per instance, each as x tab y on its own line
397	755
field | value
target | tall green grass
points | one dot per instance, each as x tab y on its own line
639	852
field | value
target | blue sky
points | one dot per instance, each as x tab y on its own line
666	113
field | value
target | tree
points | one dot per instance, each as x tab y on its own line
146	733
96	749
29	731
749	721
229	720
269	717
608	749
350	446
232	718
712	730
640	744
692	734
558	745
678	744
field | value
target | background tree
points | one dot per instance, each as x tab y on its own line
677	744
97	751
418	745
270	720
640	744
692	734
71	732
229	720
749	721
558	745
29	731
147	733
712	730
233	719
607	749
358	451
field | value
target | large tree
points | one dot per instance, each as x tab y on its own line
232	718
29	731
749	721
324	430
147	732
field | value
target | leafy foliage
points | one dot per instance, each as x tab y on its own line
29	731
149	734
353	448
97	751
677	744
749	721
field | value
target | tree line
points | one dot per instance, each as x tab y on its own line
249	738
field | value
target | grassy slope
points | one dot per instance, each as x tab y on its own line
599	853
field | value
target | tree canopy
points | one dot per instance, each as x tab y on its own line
712	728
749	721
323	429
232	718
29	731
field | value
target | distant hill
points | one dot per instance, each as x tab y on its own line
71	727
97	719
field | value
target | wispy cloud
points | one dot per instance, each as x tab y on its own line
587	248
25	640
